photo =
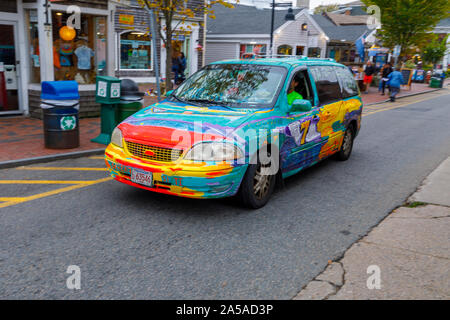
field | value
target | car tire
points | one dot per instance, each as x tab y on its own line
347	144
256	188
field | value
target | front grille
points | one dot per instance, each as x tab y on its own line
153	153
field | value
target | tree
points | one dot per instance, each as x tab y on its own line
178	12
408	22
435	50
326	8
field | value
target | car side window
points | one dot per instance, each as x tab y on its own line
304	85
348	84
327	84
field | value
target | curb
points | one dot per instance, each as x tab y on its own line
405	96
61	156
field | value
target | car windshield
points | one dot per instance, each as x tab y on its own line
233	85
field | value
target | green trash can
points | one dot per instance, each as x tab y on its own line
130	100
108	95
435	82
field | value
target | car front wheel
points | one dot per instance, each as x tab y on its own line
257	185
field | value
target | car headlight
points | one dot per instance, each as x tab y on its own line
116	137
214	151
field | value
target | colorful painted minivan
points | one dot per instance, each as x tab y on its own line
238	127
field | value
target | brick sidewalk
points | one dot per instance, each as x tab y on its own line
23	137
374	96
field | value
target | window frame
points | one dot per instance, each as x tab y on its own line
306	71
320	103
118	36
341	84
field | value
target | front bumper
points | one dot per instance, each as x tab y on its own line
182	178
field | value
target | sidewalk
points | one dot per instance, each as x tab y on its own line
23	138
410	249
374	96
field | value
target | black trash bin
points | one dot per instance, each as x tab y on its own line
130	99
60	104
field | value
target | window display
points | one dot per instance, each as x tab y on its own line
259	49
79	54
135	50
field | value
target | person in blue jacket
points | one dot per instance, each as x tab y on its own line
395	81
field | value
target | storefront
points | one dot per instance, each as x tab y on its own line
106	39
37	46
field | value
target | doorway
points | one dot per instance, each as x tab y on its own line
9	69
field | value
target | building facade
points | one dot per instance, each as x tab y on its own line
111	39
246	29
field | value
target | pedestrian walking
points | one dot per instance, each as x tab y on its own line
182	61
395	82
359	77
368	75
385	72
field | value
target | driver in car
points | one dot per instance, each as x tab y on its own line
292	94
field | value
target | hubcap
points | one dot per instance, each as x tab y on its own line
347	144
261	182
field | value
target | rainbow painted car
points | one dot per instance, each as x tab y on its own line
238	127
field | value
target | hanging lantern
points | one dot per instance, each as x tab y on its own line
67	33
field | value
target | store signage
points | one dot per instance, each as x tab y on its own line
126	19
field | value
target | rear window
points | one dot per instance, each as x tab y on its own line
348	84
327	84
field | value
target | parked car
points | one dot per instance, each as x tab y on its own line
233	128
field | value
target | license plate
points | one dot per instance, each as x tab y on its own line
140	177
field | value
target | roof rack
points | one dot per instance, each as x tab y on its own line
287	56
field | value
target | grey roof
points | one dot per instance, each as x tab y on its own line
337	33
244	20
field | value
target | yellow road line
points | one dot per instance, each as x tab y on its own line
44	181
97	157
11	198
17	200
61	168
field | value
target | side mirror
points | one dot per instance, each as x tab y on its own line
169	93
301	105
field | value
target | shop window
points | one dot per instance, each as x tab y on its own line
135	50
8	6
33	40
314	52
81	55
284	50
257	49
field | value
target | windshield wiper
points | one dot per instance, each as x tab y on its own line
212	102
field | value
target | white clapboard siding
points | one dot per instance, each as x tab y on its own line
216	51
293	36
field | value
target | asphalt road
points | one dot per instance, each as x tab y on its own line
130	243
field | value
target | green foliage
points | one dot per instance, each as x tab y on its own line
416	204
410	64
435	50
326	8
407	22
